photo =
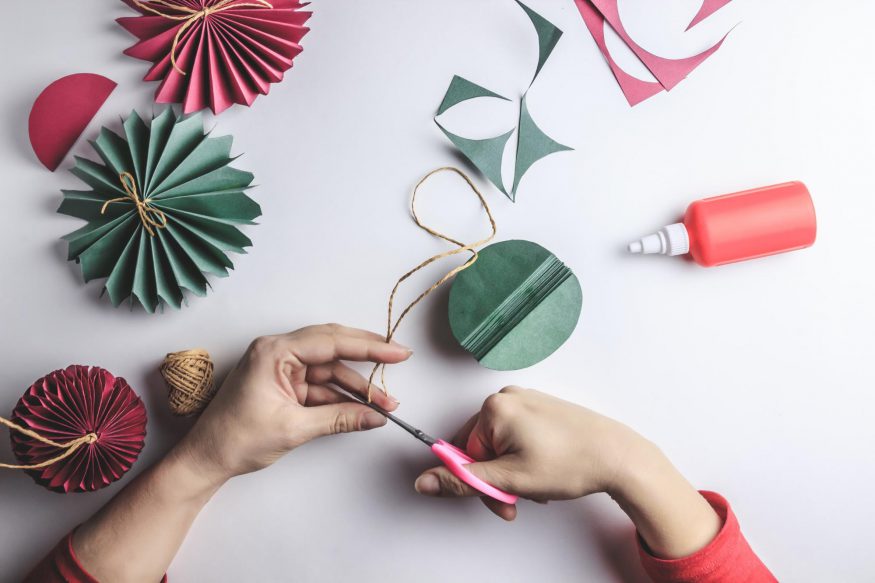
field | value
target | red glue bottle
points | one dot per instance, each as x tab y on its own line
738	226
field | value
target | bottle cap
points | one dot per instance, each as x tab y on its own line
669	240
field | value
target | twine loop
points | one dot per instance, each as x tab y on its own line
189	378
190	15
150	216
460	248
69	447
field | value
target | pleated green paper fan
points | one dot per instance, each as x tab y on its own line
163	210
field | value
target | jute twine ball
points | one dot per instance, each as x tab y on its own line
189	378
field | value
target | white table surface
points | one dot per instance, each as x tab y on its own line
755	378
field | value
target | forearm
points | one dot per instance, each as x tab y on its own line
137	534
673	519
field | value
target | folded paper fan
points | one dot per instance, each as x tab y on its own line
68	405
163	210
215	53
514	306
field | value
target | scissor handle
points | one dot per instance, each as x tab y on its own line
455	459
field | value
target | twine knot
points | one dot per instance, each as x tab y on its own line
150	216
190	15
189	378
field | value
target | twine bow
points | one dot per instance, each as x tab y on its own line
149	215
461	248
191	15
69	447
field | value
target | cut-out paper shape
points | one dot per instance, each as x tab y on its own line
460	90
634	89
62	112
485	154
163	210
707	8
514	306
669	72
215	53
69	404
548	36
532	144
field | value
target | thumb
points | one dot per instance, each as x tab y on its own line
440	481
341	418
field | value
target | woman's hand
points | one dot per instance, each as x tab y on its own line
539	447
278	398
543	448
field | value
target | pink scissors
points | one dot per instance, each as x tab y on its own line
454	458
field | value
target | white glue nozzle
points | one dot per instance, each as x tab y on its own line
669	240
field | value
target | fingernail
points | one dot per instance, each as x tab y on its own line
372	420
394	400
428	485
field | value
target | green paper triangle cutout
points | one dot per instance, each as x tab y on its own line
533	144
548	36
485	154
460	90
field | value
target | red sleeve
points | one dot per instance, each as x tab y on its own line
62	566
727	559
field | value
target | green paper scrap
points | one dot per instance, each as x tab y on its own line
184	174
532	143
461	89
514	306
548	36
484	154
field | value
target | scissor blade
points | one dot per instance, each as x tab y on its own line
417	433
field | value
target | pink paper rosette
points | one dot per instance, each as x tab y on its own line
215	53
68	404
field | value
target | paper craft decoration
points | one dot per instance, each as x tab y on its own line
61	113
215	53
163	210
515	306
708	8
668	72
82	405
532	143
189	378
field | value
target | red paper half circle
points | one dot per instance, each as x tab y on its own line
62	112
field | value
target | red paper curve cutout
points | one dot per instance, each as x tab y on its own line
707	8
62	112
229	56
67	404
634	89
669	72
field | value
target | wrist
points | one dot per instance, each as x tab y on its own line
201	468
670	515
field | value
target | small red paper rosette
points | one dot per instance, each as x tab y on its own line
68	404
215	53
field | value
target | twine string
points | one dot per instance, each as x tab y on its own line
460	248
190	15
150	216
69	447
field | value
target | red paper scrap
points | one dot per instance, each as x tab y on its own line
669	72
636	90
707	8
62	112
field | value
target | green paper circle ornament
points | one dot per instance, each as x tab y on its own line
515	305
